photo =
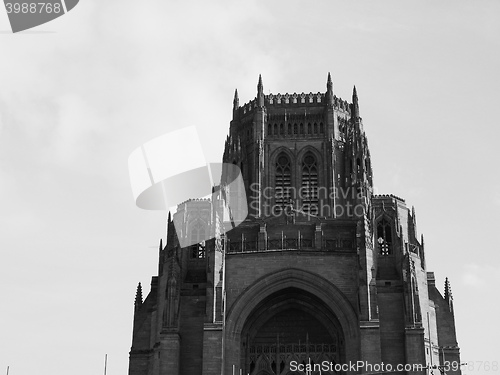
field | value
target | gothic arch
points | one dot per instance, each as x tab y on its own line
311	194
314	151
278	151
332	298
273	159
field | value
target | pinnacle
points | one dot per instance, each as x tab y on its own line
447	290
260	87
138	295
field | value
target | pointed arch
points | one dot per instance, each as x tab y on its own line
282	179
331	300
384	236
309	182
197	237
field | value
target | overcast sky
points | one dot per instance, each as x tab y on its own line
79	94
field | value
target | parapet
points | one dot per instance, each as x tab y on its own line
295	100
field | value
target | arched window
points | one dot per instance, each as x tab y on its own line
295	129
315	128
275	129
301	128
289	128
283	180
321	128
309	188
309	128
384	237
282	129
198	241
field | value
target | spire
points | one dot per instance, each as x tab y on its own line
138	296
414	219
170	230
447	290
260	93
161	257
329	90
355	106
236	100
447	294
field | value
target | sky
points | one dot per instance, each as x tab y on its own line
79	94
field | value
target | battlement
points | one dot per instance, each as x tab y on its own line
296	100
194	201
391	196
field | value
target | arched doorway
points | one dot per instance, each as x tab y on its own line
289	328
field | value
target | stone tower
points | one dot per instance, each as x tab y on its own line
321	273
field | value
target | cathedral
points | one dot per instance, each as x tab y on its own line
321	277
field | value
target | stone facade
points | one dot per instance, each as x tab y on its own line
321	269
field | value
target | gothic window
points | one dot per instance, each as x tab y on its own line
321	128
275	129
309	188
315	128
301	128
282	129
289	128
283	180
198	241
309	128
295	129
384	237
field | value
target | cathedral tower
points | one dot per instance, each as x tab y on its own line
321	272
